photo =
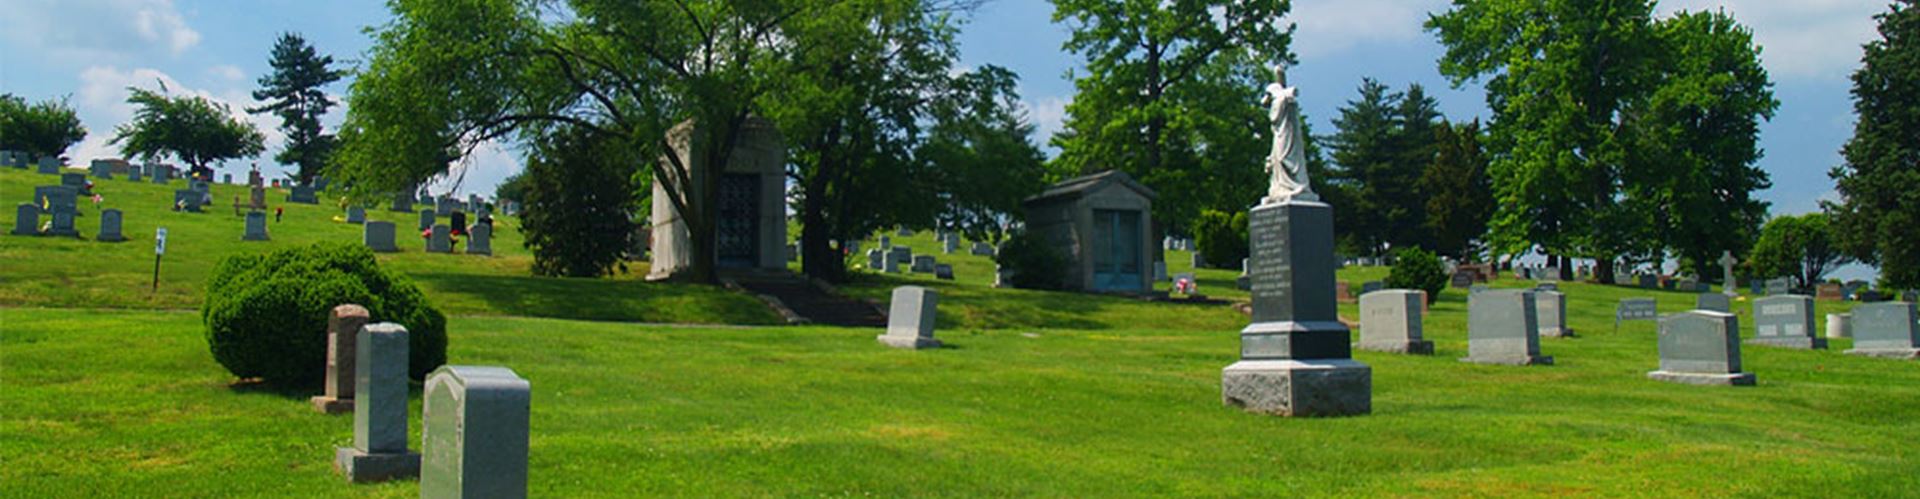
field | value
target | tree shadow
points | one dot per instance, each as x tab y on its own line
628	300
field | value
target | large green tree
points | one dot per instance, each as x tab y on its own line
293	92
1879	207
1458	195
193	129
578	183
1384	141
45	128
981	151
1801	247
1169	96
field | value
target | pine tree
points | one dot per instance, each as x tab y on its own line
293	92
1877	214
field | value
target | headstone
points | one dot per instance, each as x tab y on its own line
943	271
1886	329
910	318
49	165
923	264
101	169
1390	322
1635	309
188	200
402	203
981	248
227	179
1159	271
1690	285
379	237
443	206
12	159
1700	347
891	265
303	194
1714	302
343	330
1462	279
1727	284
110	223
1839	326
1243	281
1786	321
56	198
26	220
1503	327
1197	261
256	226
480	239
901	255
78	181
379	450
1549	274
1295	357
440	240
1827	291
257	197
426	219
951	245
134	173
1002	277
876	259
1779	286
1550	307
793	252
161	174
1649	282
356	215
1669	283
1371	286
475	423
886	242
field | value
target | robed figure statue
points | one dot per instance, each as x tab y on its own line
1287	163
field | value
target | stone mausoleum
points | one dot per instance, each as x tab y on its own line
1103	224
750	230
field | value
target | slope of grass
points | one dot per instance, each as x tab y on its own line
82	273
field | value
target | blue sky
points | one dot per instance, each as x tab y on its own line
93	49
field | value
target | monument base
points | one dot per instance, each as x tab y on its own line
1410	347
1299	388
361	467
1736	379
915	343
330	405
1803	343
1887	353
1557	333
1527	360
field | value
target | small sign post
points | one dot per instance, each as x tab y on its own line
159	249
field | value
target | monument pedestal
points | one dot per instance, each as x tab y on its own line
1521	360
1410	347
363	467
1887	353
1296	356
1800	342
1299	388
1735	379
331	405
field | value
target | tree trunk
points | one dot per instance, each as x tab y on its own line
818	257
1603	270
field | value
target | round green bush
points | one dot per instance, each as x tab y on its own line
1035	264
1415	268
266	315
1221	238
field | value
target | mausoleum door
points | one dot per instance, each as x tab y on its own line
739	223
1116	250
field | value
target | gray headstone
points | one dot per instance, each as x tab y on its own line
475	422
1551	309
101	169
876	259
75	180
1461	279
26	220
480	239
161	175
886	242
49	165
402	203
1372	286
951	245
1714	302
110	223
56	198
1198	262
1839	326
1779	286
440	240
943	271
379	450
443	206
1886	329
1159	271
1649	282
1636	309
426	219
891	265
910	318
134	173
356	215
1786	321
1700	347
793	252
901	254
1549	274
256	226
1503	327
379	237
188	200
1295	356
1390	322
302	194
981	248
923	264
343	333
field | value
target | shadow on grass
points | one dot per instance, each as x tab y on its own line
966	306
256	386
627	300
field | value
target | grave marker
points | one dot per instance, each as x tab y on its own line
943	271
1786	321
1714	302
480	239
923	264
26	220
343	330
1727	285
910	318
1551	309
1779	286
474	434
256	226
1839	326
1390	321
440	240
1886	329
379	450
356	215
379	237
1503	327
1700	347
110	226
426	219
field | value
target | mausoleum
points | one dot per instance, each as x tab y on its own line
1103	224
750	228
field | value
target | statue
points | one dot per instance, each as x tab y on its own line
1288	161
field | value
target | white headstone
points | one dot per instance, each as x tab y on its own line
910	318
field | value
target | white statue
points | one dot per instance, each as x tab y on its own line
1288	161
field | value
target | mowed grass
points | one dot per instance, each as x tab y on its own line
120	403
82	273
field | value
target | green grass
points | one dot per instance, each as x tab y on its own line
82	273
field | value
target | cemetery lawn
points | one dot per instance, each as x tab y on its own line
128	403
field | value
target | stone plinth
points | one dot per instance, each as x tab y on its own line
1295	356
1701	347
1886	330
379	450
1503	328
910	318
1299	388
475	432
1786	321
343	332
1390	321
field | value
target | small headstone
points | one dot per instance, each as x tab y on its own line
1714	302
1461	279
1371	286
891	265
161	174
134	173
379	450
1688	284
951	245
1549	274
943	271
1198	262
1503	328
474	432
426	219
910	318
227	179
1550	307
1779	286
188	200
101	169
110	226
256	226
1002	277
886	242
302	194
401	203
1839	326
981	248
1159	271
356	215
1649	282
26	220
49	165
56	198
793	252
440	240
1635	309
1700	347
480	239
379	237
1827	291
1390	321
77	181
901	255
876	259
1886	329
1786	321
923	264
343	330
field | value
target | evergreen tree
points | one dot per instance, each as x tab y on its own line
1385	140
1878	212
293	92
1458	195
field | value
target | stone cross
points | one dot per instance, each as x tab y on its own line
474	432
379	450
343	329
1726	273
910	318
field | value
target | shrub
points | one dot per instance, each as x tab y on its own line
1035	264
1414	268
266	315
1221	238
579	195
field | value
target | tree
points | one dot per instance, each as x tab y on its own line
1415	268
1878	211
1221	238
980	148
192	129
46	128
1169	97
293	93
1458	196
579	193
1801	247
514	187
1385	139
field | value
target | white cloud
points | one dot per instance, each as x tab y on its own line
227	72
1328	27
97	30
1800	39
102	105
1049	115
479	173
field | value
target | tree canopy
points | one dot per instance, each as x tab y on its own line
1878	209
192	129
45	128
1801	247
1385	139
293	92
